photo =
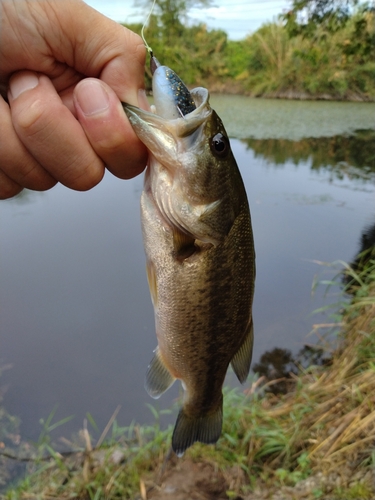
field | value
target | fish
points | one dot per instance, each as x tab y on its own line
200	256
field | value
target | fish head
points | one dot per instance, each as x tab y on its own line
192	176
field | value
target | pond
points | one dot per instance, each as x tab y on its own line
77	324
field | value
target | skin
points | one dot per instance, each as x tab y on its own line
64	68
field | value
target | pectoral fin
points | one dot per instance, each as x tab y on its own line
158	378
183	244
152	283
242	359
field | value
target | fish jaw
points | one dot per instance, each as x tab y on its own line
151	130
167	139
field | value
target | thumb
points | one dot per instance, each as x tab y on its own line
107	128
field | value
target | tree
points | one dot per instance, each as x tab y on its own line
306	16
317	19
172	15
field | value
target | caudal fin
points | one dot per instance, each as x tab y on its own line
188	430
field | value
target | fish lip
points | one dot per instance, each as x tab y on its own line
177	127
151	130
167	139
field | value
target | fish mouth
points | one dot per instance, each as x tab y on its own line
181	127
177	115
165	138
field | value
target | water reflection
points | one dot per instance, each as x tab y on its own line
278	366
364	256
351	156
76	320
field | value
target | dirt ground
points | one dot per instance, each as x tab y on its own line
186	480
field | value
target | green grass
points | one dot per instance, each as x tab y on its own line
324	425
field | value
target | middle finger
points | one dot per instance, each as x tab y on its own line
51	133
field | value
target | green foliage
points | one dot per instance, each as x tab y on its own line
306	16
355	492
196	54
172	15
332	57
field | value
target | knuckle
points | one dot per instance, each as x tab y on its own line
8	189
33	119
110	144
84	175
38	180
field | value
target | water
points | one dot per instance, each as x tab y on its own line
76	319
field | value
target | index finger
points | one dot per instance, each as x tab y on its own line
101	48
71	40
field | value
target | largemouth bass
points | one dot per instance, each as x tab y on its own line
200	254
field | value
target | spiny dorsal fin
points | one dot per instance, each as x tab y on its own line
158	378
188	430
242	359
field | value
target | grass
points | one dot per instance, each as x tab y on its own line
321	68
320	435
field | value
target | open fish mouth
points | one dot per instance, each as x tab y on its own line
176	113
172	97
156	130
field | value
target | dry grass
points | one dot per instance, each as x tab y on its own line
323	428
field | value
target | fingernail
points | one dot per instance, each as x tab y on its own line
19	83
142	100
91	97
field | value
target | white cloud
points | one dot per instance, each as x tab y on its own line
236	17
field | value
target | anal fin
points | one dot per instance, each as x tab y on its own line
242	359
158	378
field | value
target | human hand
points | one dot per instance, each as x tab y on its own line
67	68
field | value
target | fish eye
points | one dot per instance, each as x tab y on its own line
219	145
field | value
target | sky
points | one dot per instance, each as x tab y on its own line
237	17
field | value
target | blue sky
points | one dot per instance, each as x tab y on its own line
237	17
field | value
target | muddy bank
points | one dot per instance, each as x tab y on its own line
188	480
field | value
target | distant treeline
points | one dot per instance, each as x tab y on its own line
273	62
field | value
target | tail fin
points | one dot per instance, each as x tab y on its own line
188	430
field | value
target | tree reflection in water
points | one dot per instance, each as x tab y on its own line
352	155
278	365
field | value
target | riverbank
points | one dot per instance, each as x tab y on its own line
315	441
231	88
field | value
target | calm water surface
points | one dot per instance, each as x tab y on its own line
77	324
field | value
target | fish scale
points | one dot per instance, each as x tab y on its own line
199	252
